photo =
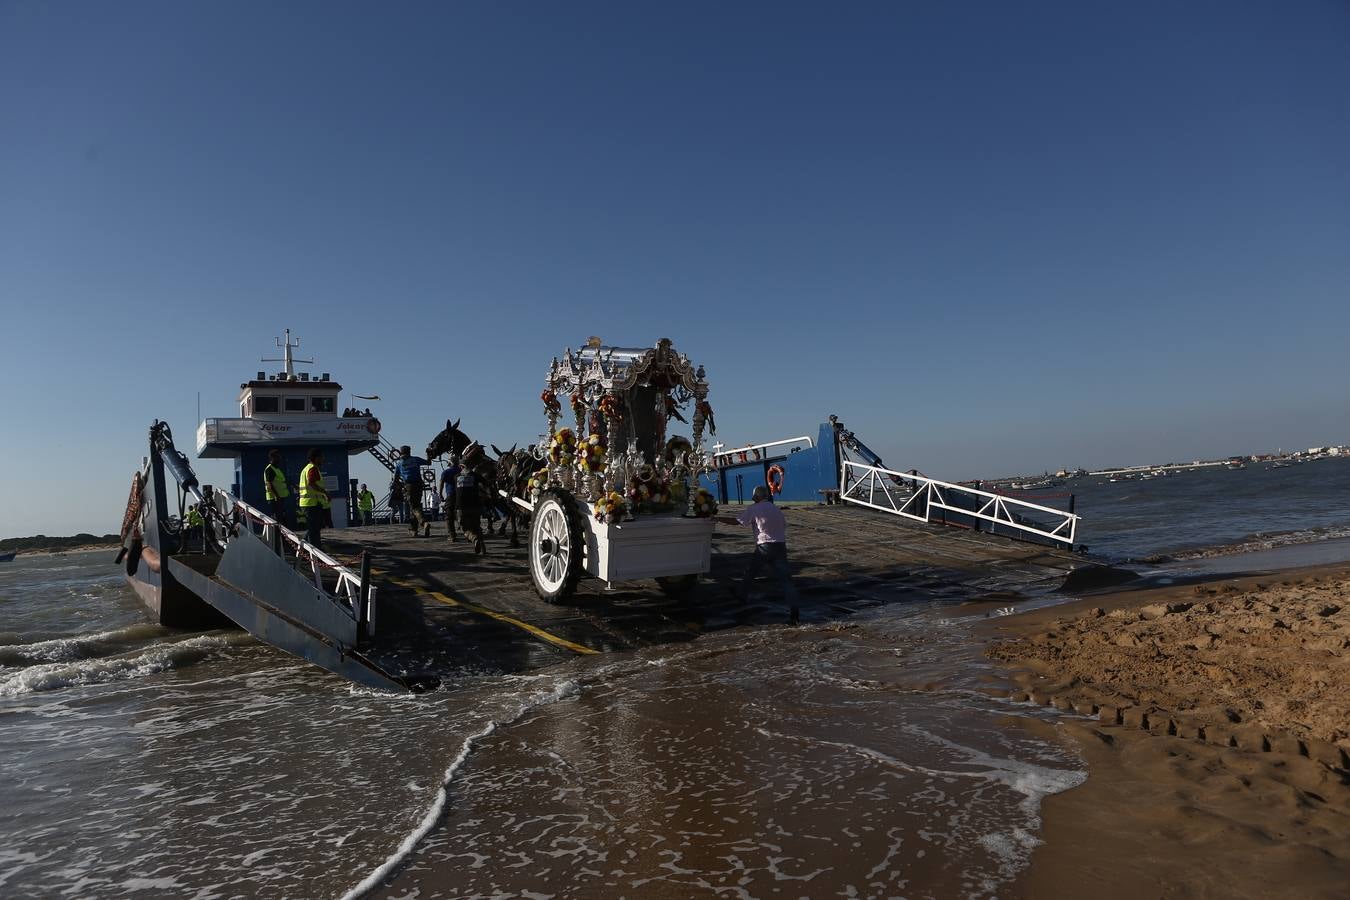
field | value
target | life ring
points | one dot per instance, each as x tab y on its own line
774	478
373	426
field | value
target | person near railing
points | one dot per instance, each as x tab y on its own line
365	504
276	489
314	499
770	528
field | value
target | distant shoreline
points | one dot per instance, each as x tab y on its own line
84	548
44	544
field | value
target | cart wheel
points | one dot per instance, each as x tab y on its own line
557	542
678	586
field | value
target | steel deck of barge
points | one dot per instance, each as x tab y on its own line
444	610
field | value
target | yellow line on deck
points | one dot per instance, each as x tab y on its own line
493	614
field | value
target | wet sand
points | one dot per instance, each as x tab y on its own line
1214	722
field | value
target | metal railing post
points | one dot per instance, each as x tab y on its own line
362	598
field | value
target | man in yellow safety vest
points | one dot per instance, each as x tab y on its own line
365	502
193	524
274	484
314	499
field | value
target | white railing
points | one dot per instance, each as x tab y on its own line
916	497
345	584
722	457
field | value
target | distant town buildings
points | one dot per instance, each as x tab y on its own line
1296	456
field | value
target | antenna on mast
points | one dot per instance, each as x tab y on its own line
288	359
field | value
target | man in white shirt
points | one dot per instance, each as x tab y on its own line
770	529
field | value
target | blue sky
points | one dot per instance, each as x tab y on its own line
992	237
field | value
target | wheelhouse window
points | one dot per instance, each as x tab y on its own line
295	404
265	404
321	404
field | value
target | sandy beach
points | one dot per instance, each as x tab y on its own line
82	548
1214	721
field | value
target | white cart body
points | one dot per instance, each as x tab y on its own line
653	546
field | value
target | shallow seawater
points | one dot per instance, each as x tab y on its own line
818	761
807	762
1198	512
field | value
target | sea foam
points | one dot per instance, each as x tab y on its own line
562	691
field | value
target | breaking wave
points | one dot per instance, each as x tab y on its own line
147	661
15	651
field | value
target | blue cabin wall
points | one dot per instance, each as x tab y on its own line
248	475
806	473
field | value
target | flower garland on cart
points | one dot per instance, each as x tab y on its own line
648	492
591	454
562	449
538	482
610	508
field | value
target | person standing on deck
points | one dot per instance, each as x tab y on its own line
276	489
470	502
409	469
396	499
314	499
365	503
448	478
770	529
193	524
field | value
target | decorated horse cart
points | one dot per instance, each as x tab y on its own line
616	496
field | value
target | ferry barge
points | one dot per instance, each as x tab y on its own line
392	611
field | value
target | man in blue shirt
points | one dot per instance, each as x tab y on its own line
409	469
448	478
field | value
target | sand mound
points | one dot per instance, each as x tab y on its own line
1189	686
1272	656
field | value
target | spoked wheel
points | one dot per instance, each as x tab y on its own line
557	543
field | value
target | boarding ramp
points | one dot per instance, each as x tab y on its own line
345	591
922	499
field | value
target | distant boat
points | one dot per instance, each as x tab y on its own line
8	557
1281	464
1036	485
1235	466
